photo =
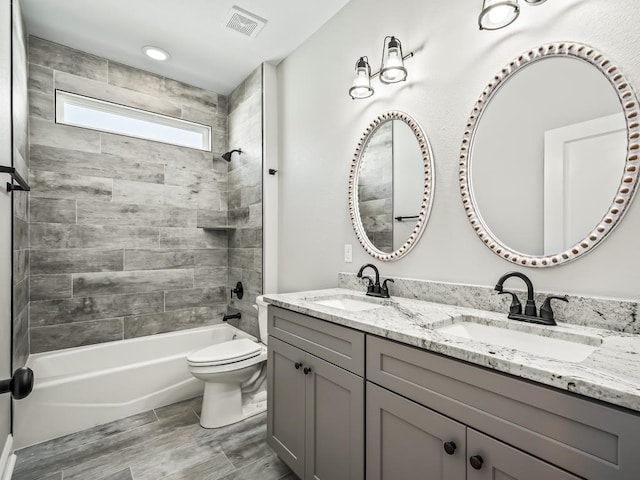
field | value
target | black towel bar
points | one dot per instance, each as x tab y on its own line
15	176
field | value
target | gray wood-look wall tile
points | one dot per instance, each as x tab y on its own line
40	79
141	214
49	287
41	105
210	276
44	339
109	283
65	160
135	79
141	325
52	235
43	132
159	259
20	296
65	59
209	218
190	95
52	210
20	234
109	93
21	205
83	309
21	265
192	238
21	338
71	186
195	297
76	260
129	147
125	191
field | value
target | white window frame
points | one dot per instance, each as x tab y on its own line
66	98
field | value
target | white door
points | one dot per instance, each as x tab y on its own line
5	216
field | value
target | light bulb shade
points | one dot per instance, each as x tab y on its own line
498	14
361	87
392	69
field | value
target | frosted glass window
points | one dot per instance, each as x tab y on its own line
87	112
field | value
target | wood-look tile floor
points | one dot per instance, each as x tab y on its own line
165	443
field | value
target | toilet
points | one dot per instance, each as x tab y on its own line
229	370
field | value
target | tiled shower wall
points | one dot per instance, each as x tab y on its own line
245	196
116	251
20	252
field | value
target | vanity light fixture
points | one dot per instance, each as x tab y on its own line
498	14
392	69
156	53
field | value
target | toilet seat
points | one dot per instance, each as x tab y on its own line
225	353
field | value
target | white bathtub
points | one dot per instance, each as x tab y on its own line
82	387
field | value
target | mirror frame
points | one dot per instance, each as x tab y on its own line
427	193
629	181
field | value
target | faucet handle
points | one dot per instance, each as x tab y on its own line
385	288
545	310
516	306
368	279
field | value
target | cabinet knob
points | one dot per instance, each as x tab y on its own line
476	462
450	447
306	370
298	365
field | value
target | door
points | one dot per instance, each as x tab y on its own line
5	217
490	459
286	403
410	442
334	423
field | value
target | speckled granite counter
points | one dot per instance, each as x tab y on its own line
610	374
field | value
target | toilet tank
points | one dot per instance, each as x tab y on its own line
262	318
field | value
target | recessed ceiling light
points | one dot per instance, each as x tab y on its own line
156	53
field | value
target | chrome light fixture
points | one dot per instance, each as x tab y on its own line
498	14
392	69
361	87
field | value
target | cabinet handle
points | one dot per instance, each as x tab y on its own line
450	447
298	365
476	462
306	370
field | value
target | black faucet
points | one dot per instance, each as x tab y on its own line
530	311
374	289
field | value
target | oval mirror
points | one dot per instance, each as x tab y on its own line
391	186
549	160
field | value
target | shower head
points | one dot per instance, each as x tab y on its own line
227	156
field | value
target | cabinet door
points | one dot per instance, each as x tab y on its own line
407	441
286	403
499	461
335	422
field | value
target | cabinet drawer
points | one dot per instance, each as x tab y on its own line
336	344
581	436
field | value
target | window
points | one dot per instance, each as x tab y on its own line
87	112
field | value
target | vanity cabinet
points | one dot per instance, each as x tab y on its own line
315	418
521	430
408	441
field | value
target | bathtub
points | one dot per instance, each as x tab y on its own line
82	387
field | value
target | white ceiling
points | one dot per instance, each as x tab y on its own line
203	51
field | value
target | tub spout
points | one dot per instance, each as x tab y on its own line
231	316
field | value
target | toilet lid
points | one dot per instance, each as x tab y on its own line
226	352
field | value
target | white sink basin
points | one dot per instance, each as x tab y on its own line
344	302
575	349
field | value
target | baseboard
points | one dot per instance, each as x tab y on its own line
7	460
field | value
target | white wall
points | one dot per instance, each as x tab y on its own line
320	125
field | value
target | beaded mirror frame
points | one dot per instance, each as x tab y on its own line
629	179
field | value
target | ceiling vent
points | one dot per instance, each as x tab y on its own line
244	22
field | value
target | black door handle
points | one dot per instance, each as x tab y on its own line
476	462
20	385
450	447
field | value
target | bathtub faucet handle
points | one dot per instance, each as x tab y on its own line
239	291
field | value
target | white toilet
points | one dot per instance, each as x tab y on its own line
228	369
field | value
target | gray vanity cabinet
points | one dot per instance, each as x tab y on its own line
315	418
406	440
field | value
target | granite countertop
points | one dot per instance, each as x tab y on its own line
610	374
